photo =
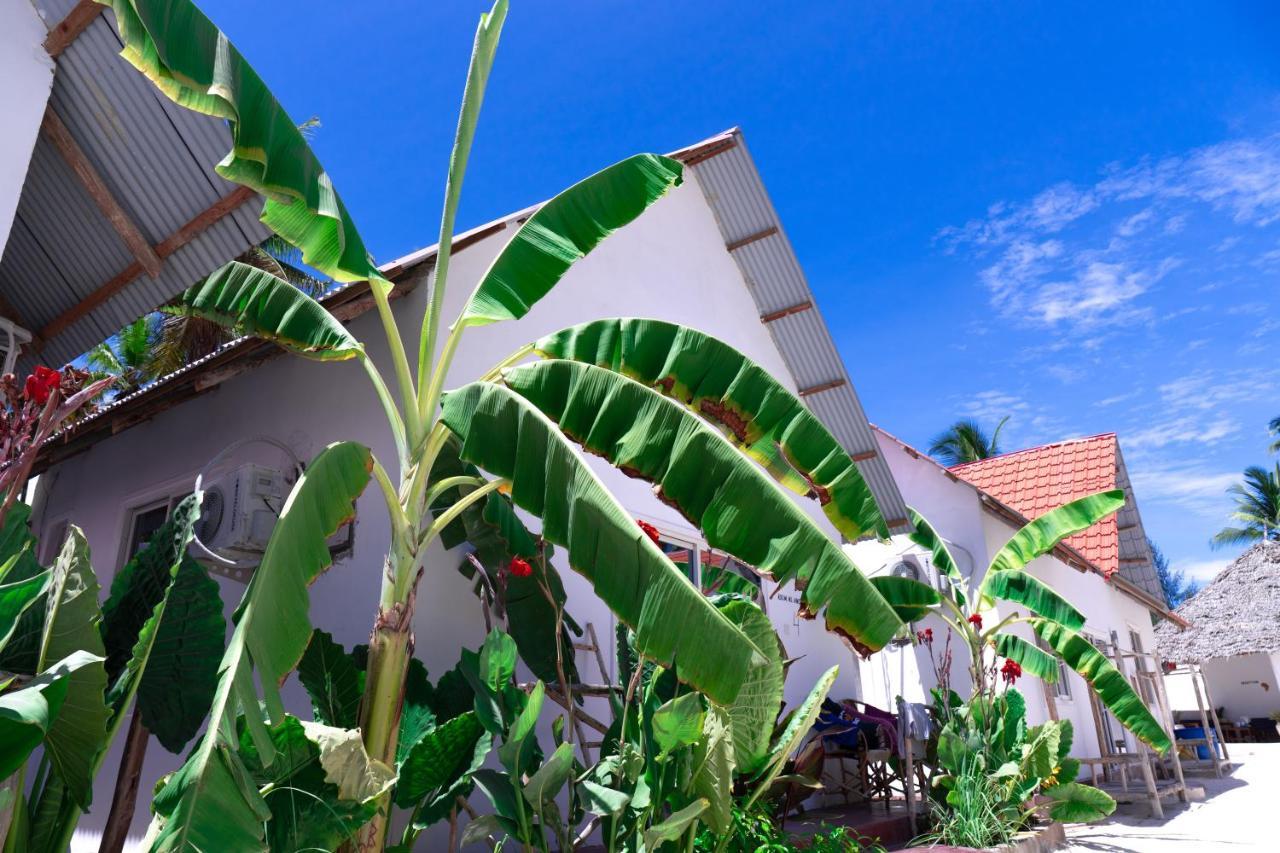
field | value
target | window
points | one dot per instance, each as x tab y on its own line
52	543
143	522
724	574
1062	687
684	555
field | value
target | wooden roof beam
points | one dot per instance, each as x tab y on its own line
175	241
61	138
69	28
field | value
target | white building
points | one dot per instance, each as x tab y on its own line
1105	572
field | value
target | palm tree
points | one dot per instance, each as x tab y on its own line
1274	429
127	355
966	441
1257	508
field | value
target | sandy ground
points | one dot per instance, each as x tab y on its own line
1241	812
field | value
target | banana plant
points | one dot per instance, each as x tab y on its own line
1053	619
720	439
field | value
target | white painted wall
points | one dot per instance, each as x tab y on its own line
671	263
26	78
974	536
1246	685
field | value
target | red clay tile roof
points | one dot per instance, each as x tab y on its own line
1039	479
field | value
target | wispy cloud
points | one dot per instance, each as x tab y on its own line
1083	258
1201	571
1187	486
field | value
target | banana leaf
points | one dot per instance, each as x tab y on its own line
507	436
1107	681
753	713
1035	661
20	652
910	599
75	740
1041	535
195	65
926	537
563	231
210	803
753	409
1038	597
695	469
254	302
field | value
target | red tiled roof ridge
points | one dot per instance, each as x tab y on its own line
1037	448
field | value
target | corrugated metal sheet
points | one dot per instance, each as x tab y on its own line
737	195
1136	564
156	159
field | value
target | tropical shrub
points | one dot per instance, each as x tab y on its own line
721	441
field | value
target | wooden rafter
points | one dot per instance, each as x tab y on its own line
61	138
751	238
786	312
823	386
69	28
175	241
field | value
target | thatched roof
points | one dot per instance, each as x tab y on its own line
1237	614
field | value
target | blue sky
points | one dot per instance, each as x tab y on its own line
1067	213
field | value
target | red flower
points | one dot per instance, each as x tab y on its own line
41	384
1012	671
925	636
976	621
649	530
520	568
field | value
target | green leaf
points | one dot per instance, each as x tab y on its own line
20	652
796	729
16	597
497	535
763	418
504	434
197	67
678	723
1064	741
332	681
545	784
739	509
752	713
28	713
76	739
437	758
1041	535
1074	802
1035	661
164	633
319	786
254	302
210	802
1107	681
497	660
926	537
1040	752
910	599
714	767
601	800
674	826
1014	722
1039	597
562	231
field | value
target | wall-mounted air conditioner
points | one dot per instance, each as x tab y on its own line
239	511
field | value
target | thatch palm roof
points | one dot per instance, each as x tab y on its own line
1237	614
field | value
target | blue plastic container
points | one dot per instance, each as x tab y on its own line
1197	733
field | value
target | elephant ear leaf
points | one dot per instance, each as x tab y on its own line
1041	535
17	596
20	651
769	423
28	713
1107	681
195	65
1074	802
78	735
251	301
694	468
563	231
752	714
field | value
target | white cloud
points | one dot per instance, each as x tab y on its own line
1201	571
1183	485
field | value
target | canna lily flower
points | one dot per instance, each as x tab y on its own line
520	568
976	621
40	384
649	530
1011	671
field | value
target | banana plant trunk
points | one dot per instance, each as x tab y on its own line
390	649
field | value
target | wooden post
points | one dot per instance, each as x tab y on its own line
1144	752
1213	713
1204	723
125	797
1174	759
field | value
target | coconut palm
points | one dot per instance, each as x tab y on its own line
1257	508
1274	429
127	355
966	441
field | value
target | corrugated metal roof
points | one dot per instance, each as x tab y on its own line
157	161
737	195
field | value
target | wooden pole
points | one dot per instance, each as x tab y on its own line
1204	724
125	797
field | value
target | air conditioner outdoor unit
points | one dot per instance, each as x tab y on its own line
240	509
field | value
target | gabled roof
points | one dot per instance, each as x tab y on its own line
1039	479
753	236
1065	551
1237	614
